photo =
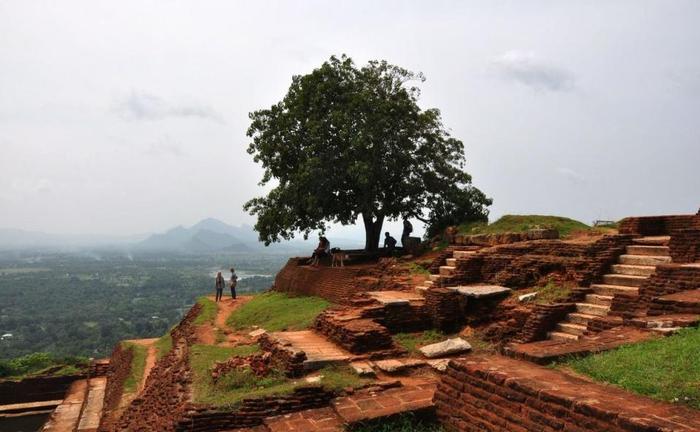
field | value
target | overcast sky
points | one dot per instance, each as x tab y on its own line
130	116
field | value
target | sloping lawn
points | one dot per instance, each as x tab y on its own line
667	369
138	365
521	223
208	312
277	311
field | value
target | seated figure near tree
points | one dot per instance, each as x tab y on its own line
322	250
389	242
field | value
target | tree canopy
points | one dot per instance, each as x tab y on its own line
348	142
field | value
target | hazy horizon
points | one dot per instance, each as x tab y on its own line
127	118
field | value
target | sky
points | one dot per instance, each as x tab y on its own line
128	117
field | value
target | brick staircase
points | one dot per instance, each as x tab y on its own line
627	275
445	271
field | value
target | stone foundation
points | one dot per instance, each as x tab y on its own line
494	393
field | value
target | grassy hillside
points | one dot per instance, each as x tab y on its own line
521	223
276	312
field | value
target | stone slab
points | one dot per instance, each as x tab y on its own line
481	291
362	368
319	350
445	348
397	365
394	297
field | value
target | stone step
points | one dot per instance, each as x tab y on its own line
434	277
579	318
634	270
592	309
648	250
623	280
560	336
598	299
428	283
653	240
644	260
571	328
611	290
447	270
463	254
451	262
421	289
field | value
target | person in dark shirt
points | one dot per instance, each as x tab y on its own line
233	282
219	285
389	242
407	230
323	249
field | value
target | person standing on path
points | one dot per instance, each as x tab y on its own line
233	282
219	285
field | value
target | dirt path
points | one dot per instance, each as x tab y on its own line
207	333
150	358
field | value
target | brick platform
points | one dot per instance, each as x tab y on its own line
369	406
547	351
495	393
319	350
318	420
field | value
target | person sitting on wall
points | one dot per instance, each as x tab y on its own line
389	243
322	250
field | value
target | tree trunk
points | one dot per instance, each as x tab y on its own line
373	230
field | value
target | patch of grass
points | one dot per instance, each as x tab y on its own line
521	223
41	364
234	386
408	422
277	311
163	345
667	369
417	269
552	293
138	365
411	342
338	377
208	312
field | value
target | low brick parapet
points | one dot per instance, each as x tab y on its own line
495	393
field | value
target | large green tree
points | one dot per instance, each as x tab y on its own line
349	142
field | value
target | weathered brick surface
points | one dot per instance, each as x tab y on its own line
353	331
547	351
684	246
35	389
282	357
494	393
667	279
162	402
443	307
530	263
684	302
657	225
119	368
543	318
251	412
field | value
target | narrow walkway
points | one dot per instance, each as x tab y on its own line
66	416
356	408
319	350
151	357
90	418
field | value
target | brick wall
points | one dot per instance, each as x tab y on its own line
667	279
657	225
526	264
251	412
336	284
493	393
163	400
543	318
685	302
684	246
443	308
119	368
284	358
36	389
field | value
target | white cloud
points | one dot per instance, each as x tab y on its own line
165	146
570	174
145	106
527	69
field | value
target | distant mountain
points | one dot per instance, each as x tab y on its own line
22	239
208	235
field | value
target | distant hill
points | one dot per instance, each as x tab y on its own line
208	235
22	239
